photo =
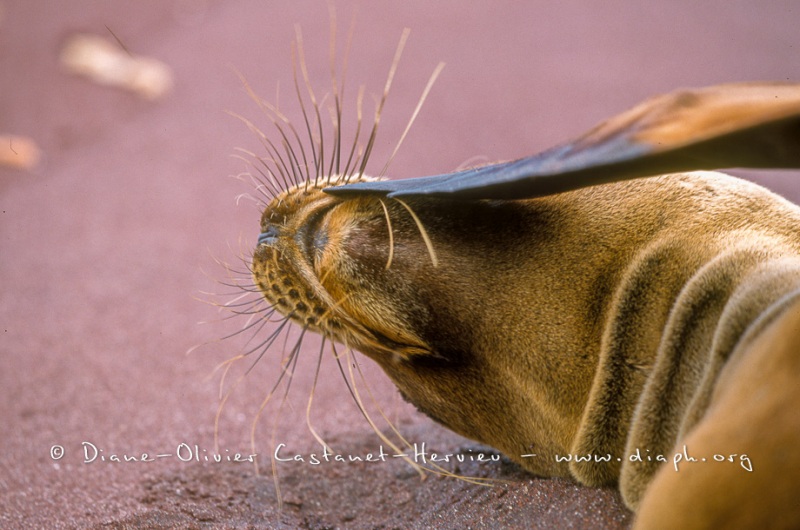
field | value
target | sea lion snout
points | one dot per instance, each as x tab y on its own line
268	237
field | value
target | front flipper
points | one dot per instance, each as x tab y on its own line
747	125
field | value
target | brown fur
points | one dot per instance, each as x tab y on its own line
752	410
598	321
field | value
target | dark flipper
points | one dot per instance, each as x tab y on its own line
747	125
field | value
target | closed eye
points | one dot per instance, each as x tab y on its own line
313	237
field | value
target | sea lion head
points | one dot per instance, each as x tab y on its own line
412	292
319	261
353	270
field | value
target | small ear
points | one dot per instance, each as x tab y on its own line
752	125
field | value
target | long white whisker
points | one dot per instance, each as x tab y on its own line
391	234
421	101
379	109
422	232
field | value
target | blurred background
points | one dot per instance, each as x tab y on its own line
117	205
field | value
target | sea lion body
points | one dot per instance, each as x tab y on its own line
610	320
568	308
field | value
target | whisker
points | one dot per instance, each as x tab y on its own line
272	113
316	436
301	101
253	304
472	162
234	302
422	232
227	364
269	184
277	159
238	313
338	91
292	359
359	116
338	358
422	99
294	354
224	396
305	170
266	344
335	121
250	325
372	424
255	422
285	371
304	70
247	288
238	293
379	108
255	182
337	116
391	234
430	466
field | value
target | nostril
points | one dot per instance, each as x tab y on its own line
268	237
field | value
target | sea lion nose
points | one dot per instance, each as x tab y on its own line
268	237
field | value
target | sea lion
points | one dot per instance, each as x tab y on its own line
551	306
